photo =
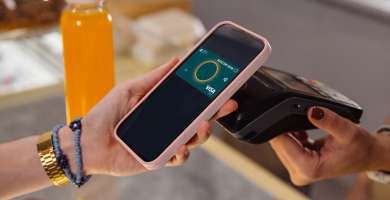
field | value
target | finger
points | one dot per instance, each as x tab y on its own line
301	135
294	176
342	129
201	136
301	160
304	139
289	146
227	108
319	143
309	144
284	160
146	82
181	156
297	155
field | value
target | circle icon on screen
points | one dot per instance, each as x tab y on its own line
206	71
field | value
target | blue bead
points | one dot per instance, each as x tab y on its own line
63	162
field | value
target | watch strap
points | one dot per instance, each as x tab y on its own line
49	161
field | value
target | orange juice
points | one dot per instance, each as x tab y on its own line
88	57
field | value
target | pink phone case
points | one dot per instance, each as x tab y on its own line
190	131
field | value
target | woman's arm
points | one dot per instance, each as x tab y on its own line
21	170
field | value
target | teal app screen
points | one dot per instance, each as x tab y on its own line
207	72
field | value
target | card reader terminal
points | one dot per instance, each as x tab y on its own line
273	102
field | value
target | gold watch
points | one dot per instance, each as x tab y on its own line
49	161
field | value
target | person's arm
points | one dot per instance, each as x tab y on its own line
21	170
346	150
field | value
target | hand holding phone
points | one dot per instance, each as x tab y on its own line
102	153
193	91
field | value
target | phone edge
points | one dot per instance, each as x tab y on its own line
191	130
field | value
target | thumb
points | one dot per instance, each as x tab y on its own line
147	81
342	129
157	74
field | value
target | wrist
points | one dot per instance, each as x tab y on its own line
382	152
67	146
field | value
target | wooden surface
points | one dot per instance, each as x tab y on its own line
251	170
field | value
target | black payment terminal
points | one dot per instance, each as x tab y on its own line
273	102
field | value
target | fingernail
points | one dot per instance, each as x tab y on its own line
317	113
186	153
209	132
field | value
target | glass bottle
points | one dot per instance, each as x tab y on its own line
88	55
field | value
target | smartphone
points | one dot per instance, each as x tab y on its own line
193	91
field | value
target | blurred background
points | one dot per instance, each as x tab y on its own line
344	43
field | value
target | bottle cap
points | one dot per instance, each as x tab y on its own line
84	1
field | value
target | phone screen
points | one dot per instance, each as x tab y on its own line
188	91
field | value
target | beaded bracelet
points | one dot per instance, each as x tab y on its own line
62	161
